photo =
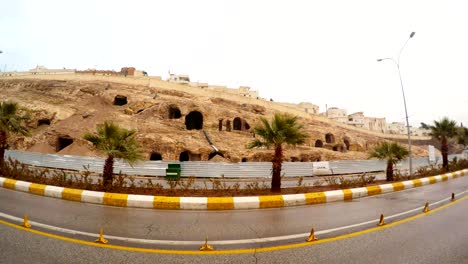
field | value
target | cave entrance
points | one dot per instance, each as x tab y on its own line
43	121
184	156
155	156
194	120
63	142
319	143
346	142
335	148
246	125
244	160
120	100
330	138
173	112
237	124
228	125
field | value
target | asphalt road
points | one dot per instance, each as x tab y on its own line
176	225
439	237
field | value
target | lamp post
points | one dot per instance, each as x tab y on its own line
397	63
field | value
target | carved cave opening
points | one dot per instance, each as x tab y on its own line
43	121
63	142
194	120
155	156
319	143
184	156
120	100
346	142
237	124
173	112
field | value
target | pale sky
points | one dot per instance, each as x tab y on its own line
323	52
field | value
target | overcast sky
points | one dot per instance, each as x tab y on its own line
323	52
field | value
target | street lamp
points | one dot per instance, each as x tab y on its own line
397	63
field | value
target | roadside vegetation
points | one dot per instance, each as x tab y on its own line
443	130
213	187
392	152
116	143
11	121
283	129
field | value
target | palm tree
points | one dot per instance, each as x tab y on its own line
462	136
443	130
283	129
116	143
10	122
392	152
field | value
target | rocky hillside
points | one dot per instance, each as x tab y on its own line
174	122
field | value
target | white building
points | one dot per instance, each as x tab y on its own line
180	79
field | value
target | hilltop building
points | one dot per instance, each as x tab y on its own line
357	119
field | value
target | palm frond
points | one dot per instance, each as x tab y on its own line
11	120
392	152
281	129
115	141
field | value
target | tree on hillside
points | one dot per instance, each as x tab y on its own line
392	153
116	143
442	130
10	122
282	129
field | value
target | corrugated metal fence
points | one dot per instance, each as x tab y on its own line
199	168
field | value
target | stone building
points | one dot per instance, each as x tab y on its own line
337	114
43	70
357	119
309	108
396	128
180	79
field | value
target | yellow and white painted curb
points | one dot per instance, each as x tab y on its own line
219	203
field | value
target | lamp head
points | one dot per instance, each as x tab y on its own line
379	60
412	34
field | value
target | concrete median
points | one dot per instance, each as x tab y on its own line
219	203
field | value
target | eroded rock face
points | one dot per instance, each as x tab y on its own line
171	123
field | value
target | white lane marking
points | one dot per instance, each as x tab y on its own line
217	242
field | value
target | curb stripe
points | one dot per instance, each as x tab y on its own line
271	201
166	202
72	194
38	189
9	184
315	198
373	190
115	199
432	180
417	183
219	203
398	186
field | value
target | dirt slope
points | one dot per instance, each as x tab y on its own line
63	109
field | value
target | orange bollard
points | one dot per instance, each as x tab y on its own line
311	236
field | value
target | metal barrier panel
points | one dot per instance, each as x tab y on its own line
200	168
